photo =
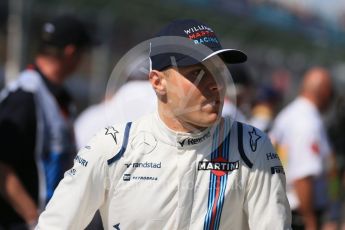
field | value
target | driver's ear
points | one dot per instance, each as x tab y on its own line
158	82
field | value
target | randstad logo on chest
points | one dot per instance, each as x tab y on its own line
144	165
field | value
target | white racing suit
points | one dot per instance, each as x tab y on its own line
142	175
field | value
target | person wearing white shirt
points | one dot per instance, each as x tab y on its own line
302	144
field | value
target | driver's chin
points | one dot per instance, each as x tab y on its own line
199	117
204	120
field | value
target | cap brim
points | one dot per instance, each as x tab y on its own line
230	56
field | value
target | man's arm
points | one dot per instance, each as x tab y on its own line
266	203
13	191
82	190
304	191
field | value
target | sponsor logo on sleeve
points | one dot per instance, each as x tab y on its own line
111	131
253	141
72	172
81	160
277	169
87	147
271	156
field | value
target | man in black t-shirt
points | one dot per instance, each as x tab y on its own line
36	134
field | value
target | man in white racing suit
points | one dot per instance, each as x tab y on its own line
183	167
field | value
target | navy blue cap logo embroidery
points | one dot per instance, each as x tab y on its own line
254	137
111	131
201	34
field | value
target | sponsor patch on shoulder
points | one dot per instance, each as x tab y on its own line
277	169
111	131
253	140
81	160
72	172
271	156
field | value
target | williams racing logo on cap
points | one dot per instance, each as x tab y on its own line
219	166
201	34
194	141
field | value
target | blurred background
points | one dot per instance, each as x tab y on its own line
281	38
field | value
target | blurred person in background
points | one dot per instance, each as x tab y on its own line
131	101
303	146
36	131
265	107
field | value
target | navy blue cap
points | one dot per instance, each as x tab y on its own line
198	34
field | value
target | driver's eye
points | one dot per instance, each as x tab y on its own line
194	74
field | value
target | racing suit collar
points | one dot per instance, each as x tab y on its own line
182	140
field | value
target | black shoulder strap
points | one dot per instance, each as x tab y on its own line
240	145
124	145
